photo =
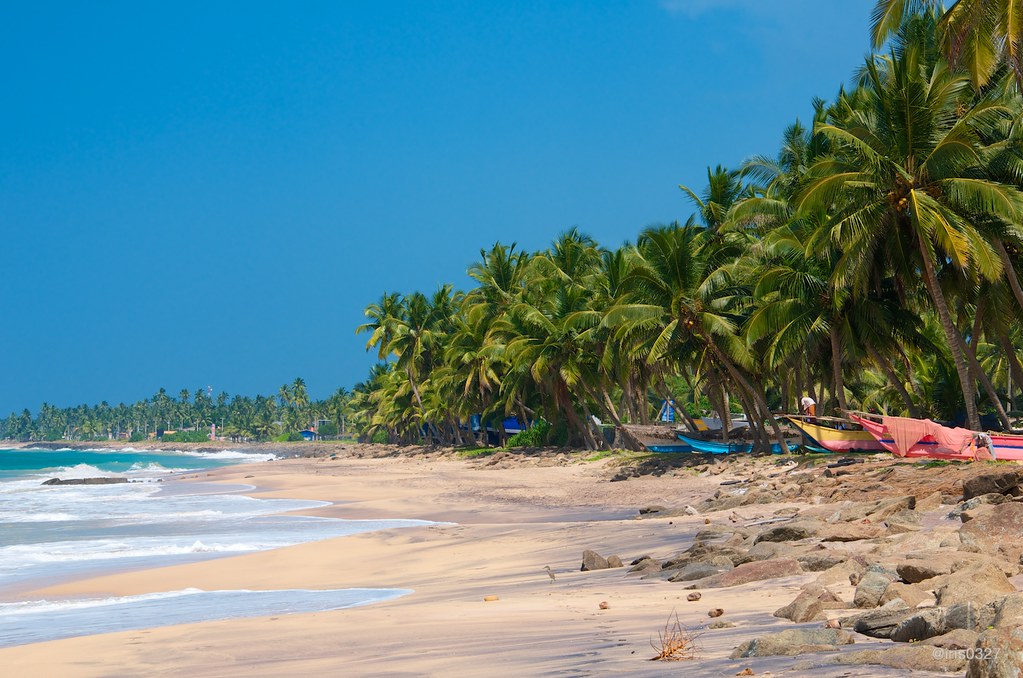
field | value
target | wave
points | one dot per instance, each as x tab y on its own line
47	553
231	454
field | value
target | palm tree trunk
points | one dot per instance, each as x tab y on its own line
1010	272
989	388
630	440
758	398
952	336
680	412
1015	368
836	368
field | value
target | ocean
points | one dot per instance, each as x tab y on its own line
50	534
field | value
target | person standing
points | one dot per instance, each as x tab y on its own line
809	406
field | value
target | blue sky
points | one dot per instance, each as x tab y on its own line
198	194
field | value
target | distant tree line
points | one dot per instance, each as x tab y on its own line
237	417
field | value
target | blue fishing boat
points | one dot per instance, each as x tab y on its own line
714	447
680	447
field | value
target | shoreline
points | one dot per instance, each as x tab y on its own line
510	519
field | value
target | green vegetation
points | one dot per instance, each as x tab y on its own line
186	437
873	262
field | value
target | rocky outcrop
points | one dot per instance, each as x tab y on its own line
872	585
1007	482
743	574
85	481
977	584
908	657
998	532
793	642
593	561
810	604
997	654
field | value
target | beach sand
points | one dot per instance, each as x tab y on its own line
501	527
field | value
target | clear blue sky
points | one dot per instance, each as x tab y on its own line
210	193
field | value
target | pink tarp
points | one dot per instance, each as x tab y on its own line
908	432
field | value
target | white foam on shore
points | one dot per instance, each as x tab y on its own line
40	620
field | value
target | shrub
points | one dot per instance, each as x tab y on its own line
136	437
186	437
534	436
293	437
380	437
328	428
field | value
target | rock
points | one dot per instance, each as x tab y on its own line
999	532
1007	482
743	574
908	593
977	584
693	597
603	605
929	503
695	571
614	561
956	639
808	605
721	625
793	642
970	616
909	657
490	599
905	520
887	507
85	481
657	508
716	612
788	532
645	566
872	585
1009	611
881	622
998	654
820	561
839	574
924	565
690	511
853	532
593	561
924	624
766	550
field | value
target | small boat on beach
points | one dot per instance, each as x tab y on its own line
737	447
834	434
908	437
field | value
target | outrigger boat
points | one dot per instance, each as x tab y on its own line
713	447
907	437
833	434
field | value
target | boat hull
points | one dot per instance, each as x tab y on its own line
1004	447
838	440
711	447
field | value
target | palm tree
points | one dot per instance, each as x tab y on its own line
906	184
978	34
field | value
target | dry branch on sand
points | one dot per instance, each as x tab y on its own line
675	642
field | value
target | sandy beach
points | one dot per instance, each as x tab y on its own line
500	522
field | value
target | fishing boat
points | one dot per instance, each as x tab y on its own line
669	448
714	447
834	434
908	437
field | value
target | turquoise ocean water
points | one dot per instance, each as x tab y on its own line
50	534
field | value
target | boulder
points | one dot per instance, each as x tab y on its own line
788	532
906	520
999	532
971	616
910	594
956	639
808	605
881	622
908	657
926	623
766	550
645	566
821	561
85	481
1006	482
923	565
887	507
614	561
593	561
997	654
694	571
793	642
852	532
976	584
839	574
929	503
1009	611
743	574
872	585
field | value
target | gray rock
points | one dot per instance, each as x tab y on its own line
788	532
910	657
614	561
743	574
1009	611
971	616
652	509
820	561
808	605
976	584
872	585
694	571
593	561
881	622
926	623
793	642
956	639
1007	482
85	481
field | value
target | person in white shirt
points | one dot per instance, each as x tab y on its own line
809	406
